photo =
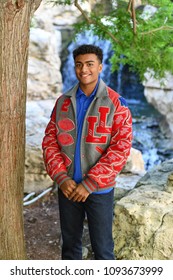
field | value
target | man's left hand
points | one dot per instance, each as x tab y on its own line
80	194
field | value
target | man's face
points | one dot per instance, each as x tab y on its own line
87	68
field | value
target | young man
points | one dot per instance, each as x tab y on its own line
86	144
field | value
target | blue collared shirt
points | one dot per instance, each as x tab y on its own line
82	103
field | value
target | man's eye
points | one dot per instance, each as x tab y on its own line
78	65
90	64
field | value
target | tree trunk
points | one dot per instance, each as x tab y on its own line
14	40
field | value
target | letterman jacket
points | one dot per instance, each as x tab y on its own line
105	143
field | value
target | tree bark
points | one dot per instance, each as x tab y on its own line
14	40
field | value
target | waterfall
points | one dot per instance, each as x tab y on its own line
119	78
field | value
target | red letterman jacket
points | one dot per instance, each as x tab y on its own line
105	143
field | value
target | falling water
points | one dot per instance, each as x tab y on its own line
119	79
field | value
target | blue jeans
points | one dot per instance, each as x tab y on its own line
99	211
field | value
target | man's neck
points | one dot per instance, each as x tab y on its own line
87	89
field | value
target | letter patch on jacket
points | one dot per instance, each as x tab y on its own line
65	105
98	125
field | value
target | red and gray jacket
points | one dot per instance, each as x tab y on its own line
105	143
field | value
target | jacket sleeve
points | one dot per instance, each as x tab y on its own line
52	156
112	161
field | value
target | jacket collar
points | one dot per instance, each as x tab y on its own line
101	91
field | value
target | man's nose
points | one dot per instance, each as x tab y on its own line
84	67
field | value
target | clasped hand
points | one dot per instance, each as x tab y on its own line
73	191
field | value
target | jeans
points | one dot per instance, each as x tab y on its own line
99	211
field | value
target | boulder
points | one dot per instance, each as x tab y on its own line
135	163
143	223
160	95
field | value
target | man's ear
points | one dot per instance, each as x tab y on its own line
100	68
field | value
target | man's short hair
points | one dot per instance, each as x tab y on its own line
84	49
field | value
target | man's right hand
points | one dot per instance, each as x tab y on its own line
68	187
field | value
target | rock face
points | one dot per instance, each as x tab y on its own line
143	224
45	49
160	95
37	117
44	77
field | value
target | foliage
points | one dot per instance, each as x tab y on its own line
141	40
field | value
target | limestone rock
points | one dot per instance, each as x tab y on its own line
44	78
143	224
169	185
130	175
160	95
36	178
135	163
37	117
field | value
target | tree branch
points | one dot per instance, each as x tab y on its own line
131	10
129	7
134	16
35	5
90	21
165	27
82	12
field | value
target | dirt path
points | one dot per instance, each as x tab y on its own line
42	229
